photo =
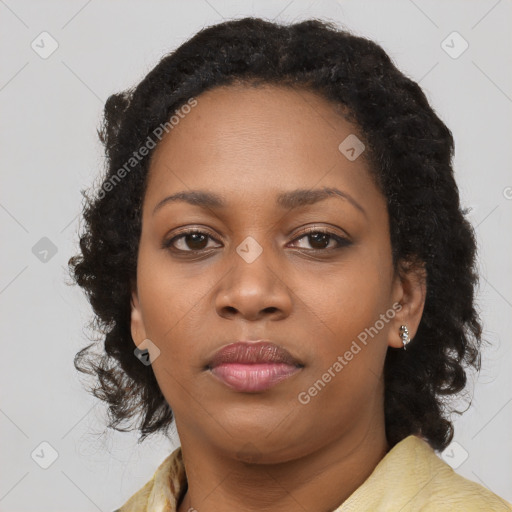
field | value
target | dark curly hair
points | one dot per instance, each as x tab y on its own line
409	151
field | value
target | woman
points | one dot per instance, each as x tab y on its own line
280	264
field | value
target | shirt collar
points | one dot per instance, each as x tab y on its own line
407	477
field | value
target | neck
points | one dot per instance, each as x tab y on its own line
321	480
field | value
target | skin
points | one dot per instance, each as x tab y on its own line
267	450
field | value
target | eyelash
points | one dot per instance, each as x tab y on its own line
342	241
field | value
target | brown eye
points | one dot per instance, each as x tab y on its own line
189	241
195	241
320	240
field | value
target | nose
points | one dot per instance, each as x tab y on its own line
254	291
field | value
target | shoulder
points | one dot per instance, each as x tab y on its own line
162	492
450	491
412	477
446	490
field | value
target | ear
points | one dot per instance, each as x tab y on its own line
409	294
137	327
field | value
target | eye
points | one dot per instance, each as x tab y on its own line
195	239
320	240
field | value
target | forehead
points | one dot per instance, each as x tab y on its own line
253	118
257	140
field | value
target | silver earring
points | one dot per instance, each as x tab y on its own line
404	334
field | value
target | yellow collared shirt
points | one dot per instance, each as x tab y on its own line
410	478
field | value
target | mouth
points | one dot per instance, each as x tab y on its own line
253	367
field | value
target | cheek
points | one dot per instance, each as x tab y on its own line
349	315
170	288
351	297
347	356
172	300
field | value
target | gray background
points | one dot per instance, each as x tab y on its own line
50	111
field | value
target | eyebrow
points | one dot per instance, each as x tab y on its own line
286	200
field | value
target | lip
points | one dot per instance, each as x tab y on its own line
253	366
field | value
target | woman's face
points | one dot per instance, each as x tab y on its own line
332	301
